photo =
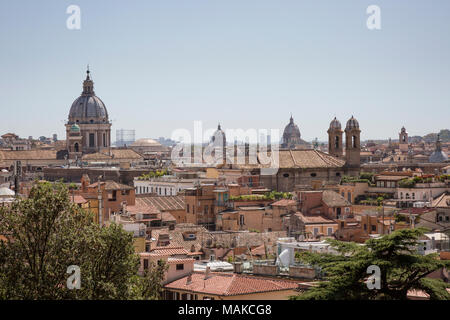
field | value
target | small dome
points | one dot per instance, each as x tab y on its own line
335	124
352	123
75	128
145	143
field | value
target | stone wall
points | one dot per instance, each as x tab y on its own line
263	269
302	272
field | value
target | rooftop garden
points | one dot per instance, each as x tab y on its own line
153	174
271	196
366	177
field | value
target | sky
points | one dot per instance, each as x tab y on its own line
160	65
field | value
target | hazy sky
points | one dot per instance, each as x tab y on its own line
161	64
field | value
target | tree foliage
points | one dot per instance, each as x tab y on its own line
46	233
402	269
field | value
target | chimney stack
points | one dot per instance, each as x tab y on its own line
189	279
207	271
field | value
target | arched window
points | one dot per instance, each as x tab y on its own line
336	142
407	196
76	147
401	195
353	141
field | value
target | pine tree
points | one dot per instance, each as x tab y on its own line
402	269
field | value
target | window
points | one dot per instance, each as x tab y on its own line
187	208
365	226
338	174
145	264
180	266
104	139
374	227
76	147
91	140
241	220
330	231
316	231
313	174
336	142
286	175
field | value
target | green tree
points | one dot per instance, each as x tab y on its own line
46	233
402	269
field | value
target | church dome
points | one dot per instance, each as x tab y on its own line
88	108
352	123
291	130
335	124
219	135
438	155
145	143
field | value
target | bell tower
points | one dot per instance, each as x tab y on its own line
403	140
335	132
352	143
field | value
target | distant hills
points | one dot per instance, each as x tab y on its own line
444	134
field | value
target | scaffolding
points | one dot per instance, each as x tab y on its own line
124	137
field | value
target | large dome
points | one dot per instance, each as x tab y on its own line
291	131
145	143
88	108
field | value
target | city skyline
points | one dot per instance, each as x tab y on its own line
234	64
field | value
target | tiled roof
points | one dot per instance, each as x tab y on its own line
168	251
28	155
334	199
179	260
306	158
166	216
142	207
112	185
125	154
284	203
116	154
314	219
229	284
78	199
177	238
443	201
166	203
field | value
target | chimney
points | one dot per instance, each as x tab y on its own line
238	267
189	279
207	271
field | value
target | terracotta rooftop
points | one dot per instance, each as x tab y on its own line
305	158
284	203
142	207
28	155
443	201
165	203
229	284
334	199
117	154
111	185
314	219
